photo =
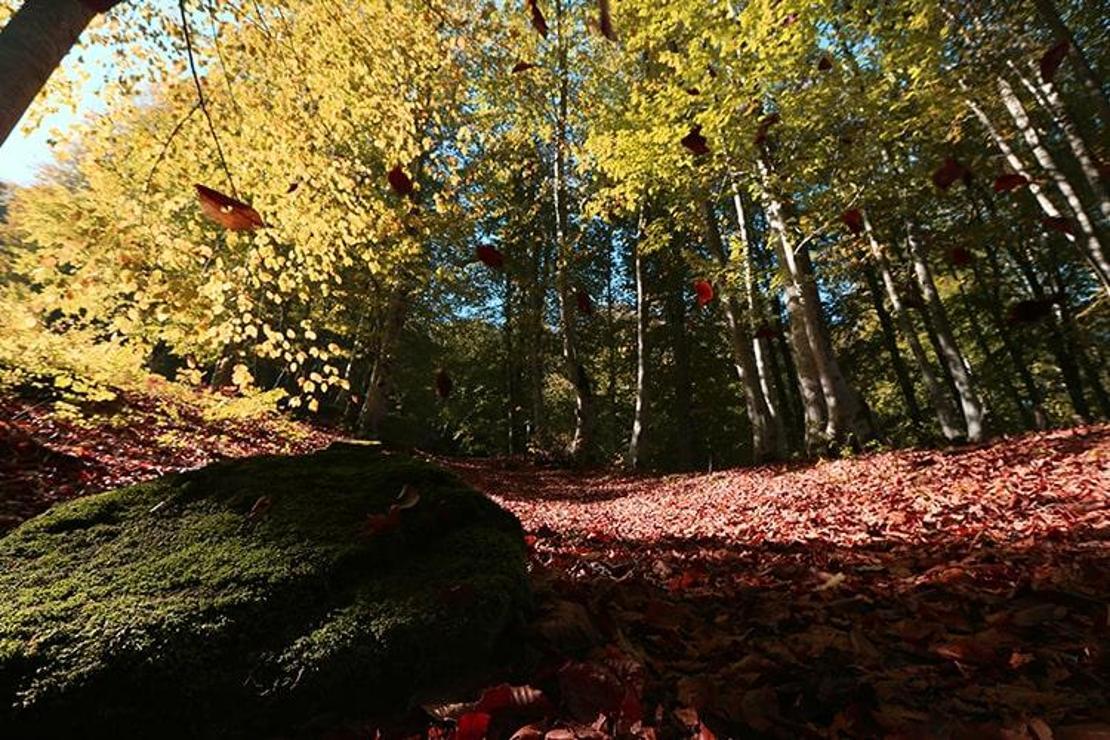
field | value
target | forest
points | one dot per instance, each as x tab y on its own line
737	307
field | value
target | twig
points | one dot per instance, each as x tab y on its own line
162	156
200	96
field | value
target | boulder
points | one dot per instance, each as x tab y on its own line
252	596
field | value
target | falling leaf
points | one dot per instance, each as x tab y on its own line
472	726
695	142
765	125
260	508
292	188
516	698
1059	223
1029	311
824	64
491	257
1052	59
704	291
232	214
1008	182
949	172
523	67
853	219
407	498
585	303
959	256
605	18
444	384
538	21
399	181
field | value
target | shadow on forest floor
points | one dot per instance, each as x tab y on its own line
951	593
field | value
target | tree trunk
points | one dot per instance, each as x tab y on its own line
1047	206
942	404
635	441
582	444
965	387
1058	340
1081	147
1086	74
375	404
1087	226
890	341
765	440
847	418
761	348
32	45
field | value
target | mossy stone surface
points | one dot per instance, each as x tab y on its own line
164	610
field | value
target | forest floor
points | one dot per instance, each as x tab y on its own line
918	593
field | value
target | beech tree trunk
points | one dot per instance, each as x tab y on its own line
941	402
1018	166
890	341
32	45
952	357
375	404
1082	148
1091	81
847	418
635	441
761	348
1087	224
765	439
582	444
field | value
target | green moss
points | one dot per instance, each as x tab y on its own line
161	608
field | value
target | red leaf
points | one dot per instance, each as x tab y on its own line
232	214
1006	183
949	172
400	181
589	689
292	188
1052	59
491	257
790	20
377	524
704	291
960	256
853	219
472	726
1059	223
1029	311
824	64
517	698
606	20
444	384
538	21
523	67
765	124
585	303
695	142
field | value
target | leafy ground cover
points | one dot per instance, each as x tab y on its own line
921	593
956	593
50	453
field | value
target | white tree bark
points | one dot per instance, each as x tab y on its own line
846	416
765	442
941	402
1091	238
1018	166
636	440
950	351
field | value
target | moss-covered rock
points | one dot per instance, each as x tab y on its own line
166	609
